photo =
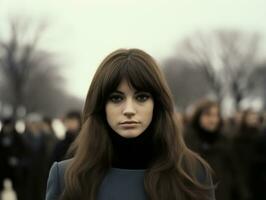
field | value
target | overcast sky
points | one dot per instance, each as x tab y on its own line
83	32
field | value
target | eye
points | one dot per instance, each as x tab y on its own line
115	98
142	97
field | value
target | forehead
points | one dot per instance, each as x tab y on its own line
252	115
210	109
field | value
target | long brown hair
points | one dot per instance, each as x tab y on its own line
173	175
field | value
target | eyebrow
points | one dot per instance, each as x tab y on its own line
117	91
136	91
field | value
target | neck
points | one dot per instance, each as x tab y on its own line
207	135
132	153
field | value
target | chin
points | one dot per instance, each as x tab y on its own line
130	134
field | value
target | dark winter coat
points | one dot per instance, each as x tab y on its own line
216	150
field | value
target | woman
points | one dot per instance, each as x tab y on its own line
130	146
204	135
247	145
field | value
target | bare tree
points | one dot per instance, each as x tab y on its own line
257	82
186	82
227	57
30	75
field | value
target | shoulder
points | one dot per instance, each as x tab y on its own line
204	177
55	183
62	165
201	174
59	168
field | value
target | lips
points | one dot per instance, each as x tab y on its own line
129	124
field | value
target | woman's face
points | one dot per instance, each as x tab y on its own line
210	119
252	119
129	112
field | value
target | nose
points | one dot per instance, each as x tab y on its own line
129	108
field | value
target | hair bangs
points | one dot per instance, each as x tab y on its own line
139	77
136	74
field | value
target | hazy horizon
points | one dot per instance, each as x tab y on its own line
83	32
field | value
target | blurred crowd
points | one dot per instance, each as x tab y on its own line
26	154
234	147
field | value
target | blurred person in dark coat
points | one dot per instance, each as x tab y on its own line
204	136
13	152
258	170
72	122
247	146
51	138
232	124
39	158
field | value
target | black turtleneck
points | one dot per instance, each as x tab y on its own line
132	153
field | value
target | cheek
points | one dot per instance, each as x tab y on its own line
110	113
217	120
149	113
204	121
